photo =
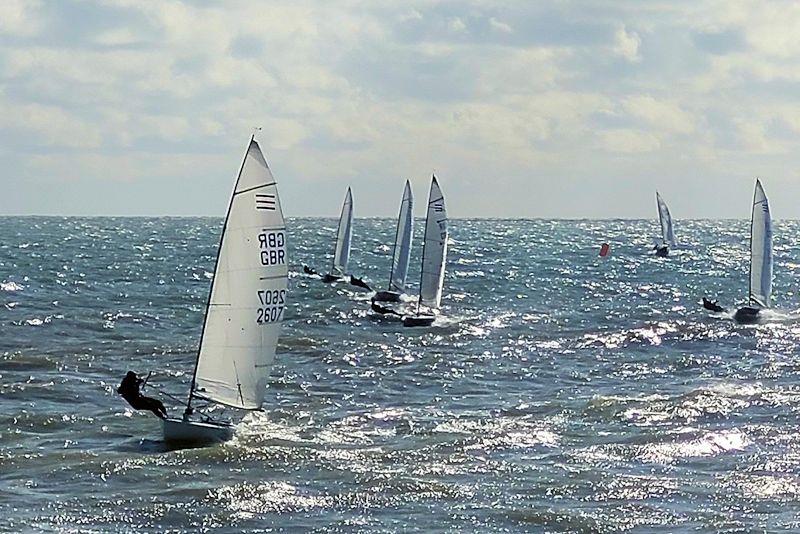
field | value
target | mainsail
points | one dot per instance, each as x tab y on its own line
402	242
664	217
248	294
344	235
760	249
434	249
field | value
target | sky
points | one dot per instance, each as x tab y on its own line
566	109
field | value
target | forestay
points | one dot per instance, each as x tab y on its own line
760	249
402	242
344	235
664	217
434	250
248	293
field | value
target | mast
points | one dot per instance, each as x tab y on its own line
660	217
188	410
424	245
396	235
750	272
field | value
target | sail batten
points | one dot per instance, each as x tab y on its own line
434	249
402	243
760	249
248	293
344	235
665	220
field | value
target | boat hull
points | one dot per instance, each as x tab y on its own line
418	320
387	296
195	432
747	315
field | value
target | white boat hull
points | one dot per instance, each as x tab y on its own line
186	431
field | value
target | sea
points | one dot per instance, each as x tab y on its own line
558	392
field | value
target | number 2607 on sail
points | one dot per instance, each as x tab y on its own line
272	303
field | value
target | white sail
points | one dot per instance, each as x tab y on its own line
664	217
248	293
434	249
402	242
344	235
760	249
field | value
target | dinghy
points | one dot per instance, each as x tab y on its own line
344	235
245	307
402	252
760	259
434	253
667	234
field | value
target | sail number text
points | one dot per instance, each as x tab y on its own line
272	304
272	248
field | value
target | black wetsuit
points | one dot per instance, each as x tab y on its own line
359	282
129	389
662	252
712	305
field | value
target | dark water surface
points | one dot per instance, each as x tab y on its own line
563	393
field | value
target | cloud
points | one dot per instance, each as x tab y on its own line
511	96
626	44
501	27
19	18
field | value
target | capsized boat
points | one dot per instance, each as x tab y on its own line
434	254
401	255
667	233
244	310
760	294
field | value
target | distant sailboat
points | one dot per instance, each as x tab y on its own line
341	252
760	294
401	255
245	306
667	233
434	254
344	236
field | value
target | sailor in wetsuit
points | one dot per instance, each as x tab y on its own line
662	251
129	389
712	305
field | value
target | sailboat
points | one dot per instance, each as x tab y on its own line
667	233
244	310
401	255
344	235
434	254
760	293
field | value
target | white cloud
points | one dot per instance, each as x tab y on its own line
663	115
20	17
628	141
456	25
368	93
501	27
626	44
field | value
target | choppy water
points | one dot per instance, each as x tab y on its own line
565	394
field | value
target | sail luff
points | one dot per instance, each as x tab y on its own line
401	254
344	234
216	264
424	247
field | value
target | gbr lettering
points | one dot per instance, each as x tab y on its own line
272	247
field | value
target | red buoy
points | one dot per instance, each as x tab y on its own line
604	250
